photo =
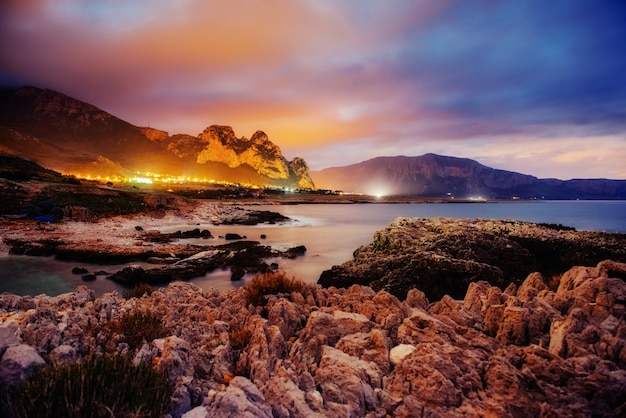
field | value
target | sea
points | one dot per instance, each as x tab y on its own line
330	232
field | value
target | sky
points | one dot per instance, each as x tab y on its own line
532	86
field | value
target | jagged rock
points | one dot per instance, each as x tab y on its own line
288	400
287	317
371	347
528	351
442	256
299	169
332	326
7	339
63	354
241	399
399	352
18	361
221	145
347	380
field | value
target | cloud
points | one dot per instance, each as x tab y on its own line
336	82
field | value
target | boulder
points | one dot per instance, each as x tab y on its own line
18	361
7	339
240	399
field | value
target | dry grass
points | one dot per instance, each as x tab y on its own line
271	284
137	326
93	388
138	291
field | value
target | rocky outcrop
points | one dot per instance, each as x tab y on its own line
154	134
531	350
443	256
299	170
221	145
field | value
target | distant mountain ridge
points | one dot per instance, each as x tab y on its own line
71	136
433	175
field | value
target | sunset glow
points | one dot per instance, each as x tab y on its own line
529	86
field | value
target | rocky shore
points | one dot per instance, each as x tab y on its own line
131	238
524	351
443	256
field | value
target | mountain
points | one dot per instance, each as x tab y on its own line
74	137
433	175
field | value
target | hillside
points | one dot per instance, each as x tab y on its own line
433	175
73	137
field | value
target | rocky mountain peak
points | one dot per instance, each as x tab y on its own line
222	145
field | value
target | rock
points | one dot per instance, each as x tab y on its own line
371	347
237	274
18	361
258	152
232	236
129	276
294	252
63	354
241	399
331	327
197	412
89	277
347	380
441	256
7	339
399	352
79	270
287	317
529	351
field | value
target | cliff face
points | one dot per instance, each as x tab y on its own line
221	145
68	135
434	175
299	170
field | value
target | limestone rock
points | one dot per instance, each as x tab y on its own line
299	169
399	352
258	152
529	351
241	399
7	339
441	256
347	380
18	361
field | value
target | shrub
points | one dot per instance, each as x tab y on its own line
95	387
138	291
137	326
270	284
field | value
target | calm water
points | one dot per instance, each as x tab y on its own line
331	233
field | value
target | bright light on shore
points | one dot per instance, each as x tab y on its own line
142	180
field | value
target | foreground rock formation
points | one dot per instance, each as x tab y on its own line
525	351
443	256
